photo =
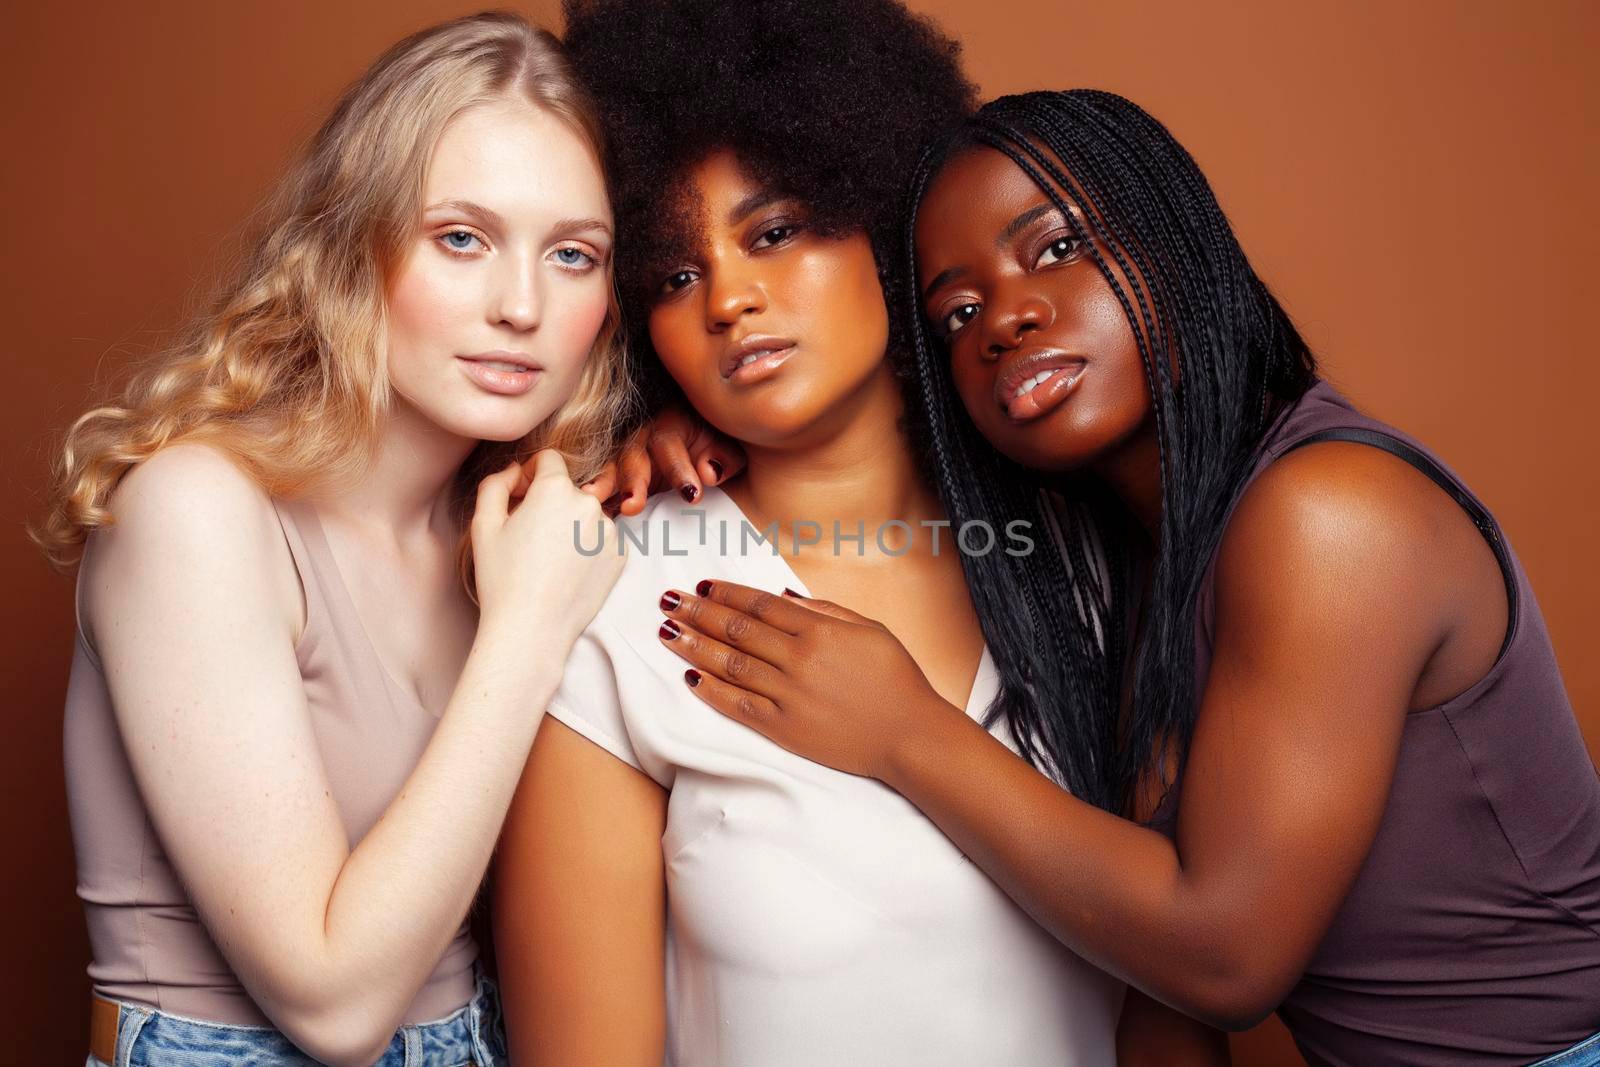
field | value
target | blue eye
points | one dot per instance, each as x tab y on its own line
460	240
575	257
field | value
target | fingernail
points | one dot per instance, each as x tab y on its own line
692	676
670	600
669	630
703	588
790	592
716	469
687	492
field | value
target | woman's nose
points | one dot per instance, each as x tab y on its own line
518	302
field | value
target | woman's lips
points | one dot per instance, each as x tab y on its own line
1046	395
498	376
763	366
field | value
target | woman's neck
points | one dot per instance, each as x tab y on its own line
858	468
407	488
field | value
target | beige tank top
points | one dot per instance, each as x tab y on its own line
148	945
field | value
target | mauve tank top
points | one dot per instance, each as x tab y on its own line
1472	933
147	942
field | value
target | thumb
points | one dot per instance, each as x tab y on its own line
494	493
549	463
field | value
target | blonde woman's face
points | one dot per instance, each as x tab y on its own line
497	304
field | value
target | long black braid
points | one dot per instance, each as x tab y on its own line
1221	357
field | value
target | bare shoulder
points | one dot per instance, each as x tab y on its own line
1339	536
190	518
189	481
1340	506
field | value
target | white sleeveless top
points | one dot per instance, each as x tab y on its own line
814	917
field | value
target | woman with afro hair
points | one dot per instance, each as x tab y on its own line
671	885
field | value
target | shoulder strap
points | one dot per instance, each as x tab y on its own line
1417	459
293	517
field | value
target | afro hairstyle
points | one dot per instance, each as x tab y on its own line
828	101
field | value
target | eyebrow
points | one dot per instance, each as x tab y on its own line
949	274
581	225
467	207
494	218
1023	221
753	203
1011	229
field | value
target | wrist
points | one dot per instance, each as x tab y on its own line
936	725
517	658
526	627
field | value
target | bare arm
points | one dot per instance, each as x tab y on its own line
193	603
580	909
1338	580
1150	1034
1329	605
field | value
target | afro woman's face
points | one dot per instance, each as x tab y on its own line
768	327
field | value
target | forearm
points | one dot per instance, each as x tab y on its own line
401	894
1114	892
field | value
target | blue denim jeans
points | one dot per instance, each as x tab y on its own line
1585	1053
149	1038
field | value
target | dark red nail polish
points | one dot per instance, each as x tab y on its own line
692	676
687	492
716	469
670	600
703	588
669	630
790	592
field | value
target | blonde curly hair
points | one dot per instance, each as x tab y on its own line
286	372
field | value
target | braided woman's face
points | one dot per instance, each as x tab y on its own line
1039	344
770	328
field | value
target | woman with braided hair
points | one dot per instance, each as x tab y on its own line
1317	752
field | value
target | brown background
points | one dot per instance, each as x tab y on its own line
1414	179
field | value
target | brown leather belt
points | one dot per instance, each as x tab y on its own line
103	1029
104	1016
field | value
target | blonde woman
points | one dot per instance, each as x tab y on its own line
292	733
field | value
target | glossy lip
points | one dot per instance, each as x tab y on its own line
1046	394
499	355
778	349
501	382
